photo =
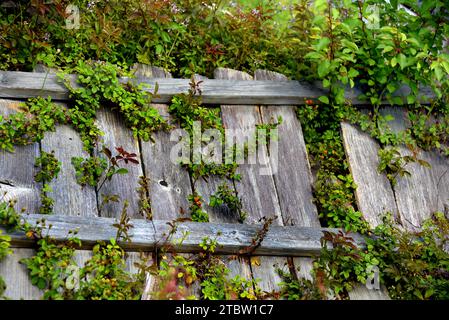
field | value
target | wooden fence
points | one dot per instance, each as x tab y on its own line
244	102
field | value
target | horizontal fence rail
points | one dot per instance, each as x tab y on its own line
148	235
20	85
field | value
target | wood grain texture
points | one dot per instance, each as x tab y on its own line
70	198
291	172
426	191
207	186
257	191
292	176
116	134
15	274
16	84
361	292
17	169
17	172
147	235
374	194
169	182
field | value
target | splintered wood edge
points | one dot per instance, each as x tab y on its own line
21	85
148	235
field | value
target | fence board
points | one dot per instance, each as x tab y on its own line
17	169
16	84
169	182
426	191
116	134
17	172
18	284
147	235
374	194
292	176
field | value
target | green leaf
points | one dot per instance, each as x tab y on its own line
324	99
353	73
121	171
323	43
323	68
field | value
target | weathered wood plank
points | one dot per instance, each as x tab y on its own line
17	172
169	182
426	191
16	84
257	191
147	235
18	284
291	171
70	198
125	186
208	186
17	169
374	194
361	292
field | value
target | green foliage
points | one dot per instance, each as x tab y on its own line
292	288
336	266
182	36
144	198
333	187
5	242
49	168
187	109
48	165
35	117
196	208
100	85
104	276
49	270
412	265
215	281
89	171
226	196
393	163
402	49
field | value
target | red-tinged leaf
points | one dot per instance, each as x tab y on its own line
133	161
107	152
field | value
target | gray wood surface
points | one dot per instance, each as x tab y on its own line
17	169
70	198
292	177
17	172
426	191
361	292
207	186
15	274
291	172
116	134
146	235
257	192
169	182
18	84
374	194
